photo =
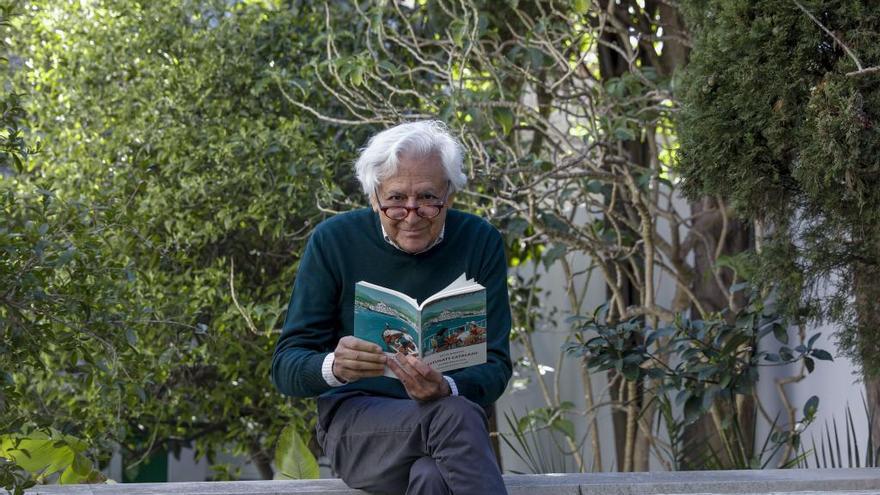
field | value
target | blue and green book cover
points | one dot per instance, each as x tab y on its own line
447	330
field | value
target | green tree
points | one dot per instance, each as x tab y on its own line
162	120
781	115
59	305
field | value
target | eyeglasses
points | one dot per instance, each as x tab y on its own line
426	210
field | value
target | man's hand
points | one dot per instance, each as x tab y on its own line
356	358
422	382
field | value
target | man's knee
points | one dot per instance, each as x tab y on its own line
425	478
458	411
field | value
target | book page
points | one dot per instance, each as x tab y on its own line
385	319
461	281
454	329
448	330
405	299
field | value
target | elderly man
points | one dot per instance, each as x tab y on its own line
425	433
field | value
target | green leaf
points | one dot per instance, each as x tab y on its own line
357	76
565	426
773	358
544	165
43	455
656	373
553	222
822	354
536	58
811	406
293	459
458	29
504	117
517	226
631	373
780	332
80	470
624	134
131	337
692	409
785	354
551	255
595	187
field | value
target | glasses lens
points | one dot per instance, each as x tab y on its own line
428	211
396	213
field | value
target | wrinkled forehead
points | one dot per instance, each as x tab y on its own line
419	171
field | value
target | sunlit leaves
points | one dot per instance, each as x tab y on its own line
293	459
170	154
45	454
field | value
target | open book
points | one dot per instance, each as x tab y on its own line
447	330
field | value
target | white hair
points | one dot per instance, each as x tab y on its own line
381	157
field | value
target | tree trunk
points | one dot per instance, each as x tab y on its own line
736	239
632	446
872	397
866	284
261	460
492	413
612	65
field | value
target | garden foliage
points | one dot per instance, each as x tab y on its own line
778	118
186	150
152	244
714	366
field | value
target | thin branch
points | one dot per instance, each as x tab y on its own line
860	70
247	317
321	116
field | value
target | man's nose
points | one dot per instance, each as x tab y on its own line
412	215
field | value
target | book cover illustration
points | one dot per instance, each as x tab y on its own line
447	330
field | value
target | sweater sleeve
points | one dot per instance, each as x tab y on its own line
309	332
484	384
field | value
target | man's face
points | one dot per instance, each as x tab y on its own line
419	180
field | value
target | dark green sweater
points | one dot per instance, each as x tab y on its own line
349	248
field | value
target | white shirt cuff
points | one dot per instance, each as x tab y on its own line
451	383
327	371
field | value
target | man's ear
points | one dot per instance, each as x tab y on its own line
373	203
450	199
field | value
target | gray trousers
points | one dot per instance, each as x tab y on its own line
396	446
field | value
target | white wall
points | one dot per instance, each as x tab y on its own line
835	383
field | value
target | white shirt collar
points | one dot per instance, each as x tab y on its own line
389	240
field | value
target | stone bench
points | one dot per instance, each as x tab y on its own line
801	481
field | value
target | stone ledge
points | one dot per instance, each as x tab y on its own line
773	482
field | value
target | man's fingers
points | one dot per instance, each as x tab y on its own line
361	356
396	366
418	387
420	380
361	365
357	344
403	373
421	368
